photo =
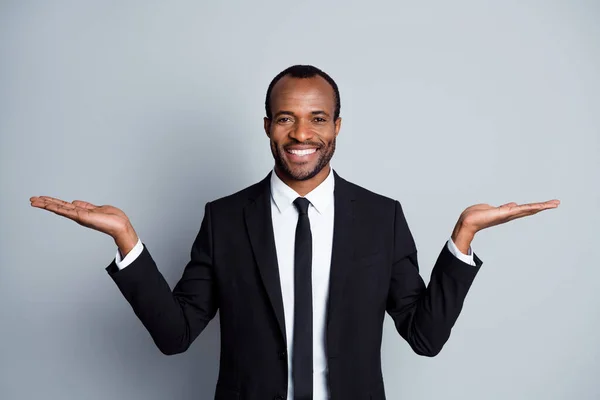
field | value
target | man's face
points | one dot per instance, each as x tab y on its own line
302	129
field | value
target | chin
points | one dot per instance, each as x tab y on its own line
302	174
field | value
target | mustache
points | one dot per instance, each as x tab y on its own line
308	143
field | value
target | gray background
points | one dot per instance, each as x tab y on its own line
156	108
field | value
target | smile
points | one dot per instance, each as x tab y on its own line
301	153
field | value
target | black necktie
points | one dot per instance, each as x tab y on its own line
302	356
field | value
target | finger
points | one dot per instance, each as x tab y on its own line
524	212
550	203
48	200
44	203
68	212
84	204
536	206
521	215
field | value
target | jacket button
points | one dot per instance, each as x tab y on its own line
282	355
279	397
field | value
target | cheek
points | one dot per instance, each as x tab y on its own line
327	135
278	134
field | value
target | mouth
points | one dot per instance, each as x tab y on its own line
301	154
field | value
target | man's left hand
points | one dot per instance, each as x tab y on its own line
481	216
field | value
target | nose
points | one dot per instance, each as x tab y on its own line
301	131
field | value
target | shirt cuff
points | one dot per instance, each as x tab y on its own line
466	258
131	256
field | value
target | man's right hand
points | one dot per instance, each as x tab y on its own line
106	219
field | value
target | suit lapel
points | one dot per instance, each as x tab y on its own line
260	232
341	254
259	226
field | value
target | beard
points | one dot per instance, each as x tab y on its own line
302	173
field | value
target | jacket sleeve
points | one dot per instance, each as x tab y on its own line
173	318
424	316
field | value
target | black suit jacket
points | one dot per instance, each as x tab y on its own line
233	268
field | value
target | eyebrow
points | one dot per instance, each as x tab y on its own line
285	112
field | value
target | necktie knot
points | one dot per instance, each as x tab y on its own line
302	204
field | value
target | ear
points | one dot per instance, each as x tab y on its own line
338	125
267	126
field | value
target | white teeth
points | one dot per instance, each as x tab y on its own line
302	152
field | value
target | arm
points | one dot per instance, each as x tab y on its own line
466	258
424	316
173	318
130	257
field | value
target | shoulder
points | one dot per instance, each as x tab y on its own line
363	195
239	199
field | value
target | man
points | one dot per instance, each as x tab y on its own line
302	265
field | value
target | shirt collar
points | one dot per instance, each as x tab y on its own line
320	197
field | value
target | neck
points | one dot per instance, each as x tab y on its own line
307	186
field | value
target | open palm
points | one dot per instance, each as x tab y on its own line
106	218
481	216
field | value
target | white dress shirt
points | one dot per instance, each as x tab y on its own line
285	218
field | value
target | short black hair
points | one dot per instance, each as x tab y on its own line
303	71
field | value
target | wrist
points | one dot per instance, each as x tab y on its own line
462	236
126	239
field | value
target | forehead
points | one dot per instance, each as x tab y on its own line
310	93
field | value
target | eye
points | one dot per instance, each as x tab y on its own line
320	120
283	119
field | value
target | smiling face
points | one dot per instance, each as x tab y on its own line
302	130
